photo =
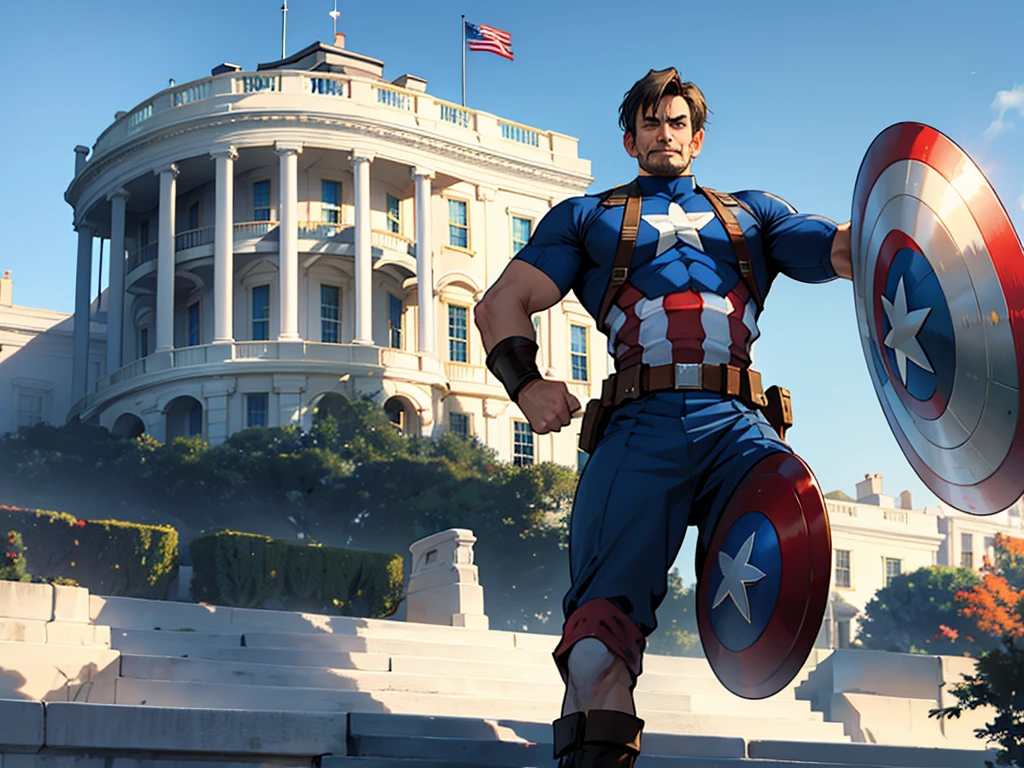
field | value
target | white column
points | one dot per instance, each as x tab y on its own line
288	232
115	280
165	259
223	245
83	278
424	262
364	257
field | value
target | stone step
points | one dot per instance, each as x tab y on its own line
219	672
236	696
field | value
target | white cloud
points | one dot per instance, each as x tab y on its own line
1006	103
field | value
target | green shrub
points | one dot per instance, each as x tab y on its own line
108	557
12	562
244	570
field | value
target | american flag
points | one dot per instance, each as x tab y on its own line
484	38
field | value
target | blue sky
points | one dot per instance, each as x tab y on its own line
798	90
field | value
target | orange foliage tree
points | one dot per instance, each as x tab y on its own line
997	604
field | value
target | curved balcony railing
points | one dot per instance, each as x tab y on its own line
320	230
139	257
245	230
391	241
337	93
193	238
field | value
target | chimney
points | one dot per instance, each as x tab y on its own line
339	39
6	290
80	154
905	502
871	485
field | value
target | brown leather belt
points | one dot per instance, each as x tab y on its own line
640	380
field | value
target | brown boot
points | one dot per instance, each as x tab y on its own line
604	738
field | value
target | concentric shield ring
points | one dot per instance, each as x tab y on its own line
938	274
763	583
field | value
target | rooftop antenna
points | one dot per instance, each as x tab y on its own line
334	15
284	26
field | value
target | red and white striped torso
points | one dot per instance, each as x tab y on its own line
682	327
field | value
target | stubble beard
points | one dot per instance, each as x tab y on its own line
665	165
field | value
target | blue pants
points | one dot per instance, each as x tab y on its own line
666	461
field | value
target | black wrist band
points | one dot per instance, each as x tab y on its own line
514	362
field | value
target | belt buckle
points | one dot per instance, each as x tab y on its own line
688	376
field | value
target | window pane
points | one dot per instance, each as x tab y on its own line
459	423
395	321
143	342
256	409
193	216
394	217
330	297
457	333
195	420
520	233
522	444
261	313
261	201
193	325
331	192
578	354
30	409
457	212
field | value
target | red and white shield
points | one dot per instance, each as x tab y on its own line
938	274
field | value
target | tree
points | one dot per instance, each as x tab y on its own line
677	633
997	606
12	561
918	613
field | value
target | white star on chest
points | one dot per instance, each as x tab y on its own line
676	225
737	572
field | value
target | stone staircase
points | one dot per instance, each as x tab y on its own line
89	678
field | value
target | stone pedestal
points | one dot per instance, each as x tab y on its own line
443	586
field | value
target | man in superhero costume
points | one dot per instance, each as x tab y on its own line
673	450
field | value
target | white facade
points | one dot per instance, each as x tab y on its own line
874	539
269	225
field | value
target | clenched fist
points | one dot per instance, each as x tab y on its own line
547	405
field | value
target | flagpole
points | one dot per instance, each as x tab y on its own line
463	59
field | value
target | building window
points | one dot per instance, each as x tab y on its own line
893	568
966	550
843	634
522	444
394	215
260	312
144	233
30	409
193	324
330	205
261	200
578	352
990	548
330	325
143	342
195	420
193	216
843	568
520	233
394	321
458	329
458	223
458	423
256	407
582	457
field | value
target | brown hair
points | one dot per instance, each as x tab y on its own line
648	91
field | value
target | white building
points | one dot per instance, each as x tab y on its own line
265	229
875	539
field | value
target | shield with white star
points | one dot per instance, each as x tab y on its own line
764	578
938	274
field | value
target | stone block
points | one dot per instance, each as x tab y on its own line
92	635
214	731
470	621
57	672
438	605
21	723
894	720
24	600
22	631
136	613
70	604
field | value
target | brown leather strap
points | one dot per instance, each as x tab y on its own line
627	240
722	204
639	380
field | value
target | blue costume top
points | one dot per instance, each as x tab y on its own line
684	300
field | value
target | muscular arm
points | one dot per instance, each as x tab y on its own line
842	252
507	307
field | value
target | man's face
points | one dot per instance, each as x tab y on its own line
665	142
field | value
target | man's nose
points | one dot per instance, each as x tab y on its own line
665	134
